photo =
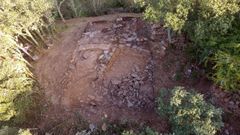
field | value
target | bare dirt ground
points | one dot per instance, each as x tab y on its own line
111	68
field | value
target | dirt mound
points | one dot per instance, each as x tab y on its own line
103	67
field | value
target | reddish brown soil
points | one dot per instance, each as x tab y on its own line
99	69
111	68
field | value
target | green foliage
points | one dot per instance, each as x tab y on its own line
8	131
189	113
24	132
78	8
173	12
19	18
15	77
14	131
208	15
227	69
149	131
128	133
211	25
226	54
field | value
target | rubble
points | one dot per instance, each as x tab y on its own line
128	91
134	90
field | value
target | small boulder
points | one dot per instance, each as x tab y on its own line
115	81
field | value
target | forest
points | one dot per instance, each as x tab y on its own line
119	67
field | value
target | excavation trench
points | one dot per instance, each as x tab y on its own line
104	68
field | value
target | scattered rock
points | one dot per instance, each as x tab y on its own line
93	103
129	104
104	127
115	26
226	132
85	55
91	97
72	66
134	75
92	127
126	91
84	132
119	19
105	52
128	45
93	85
35	58
115	81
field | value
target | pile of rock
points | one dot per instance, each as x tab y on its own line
134	90
158	33
129	31
104	59
95	34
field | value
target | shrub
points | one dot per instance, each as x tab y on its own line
204	17
14	131
15	78
226	59
227	68
24	132
211	26
19	18
78	8
128	133
147	131
25	18
189	113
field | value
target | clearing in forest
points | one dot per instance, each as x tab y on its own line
109	67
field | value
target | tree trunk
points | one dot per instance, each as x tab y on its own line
58	6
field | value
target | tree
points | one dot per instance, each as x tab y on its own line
209	24
188	112
19	19
58	6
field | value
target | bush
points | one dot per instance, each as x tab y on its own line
189	113
14	131
24	132
15	78
147	131
128	133
226	59
211	26
23	16
78	8
205	17
25	19
227	68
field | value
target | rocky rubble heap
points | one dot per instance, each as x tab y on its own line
131	31
103	60
134	90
